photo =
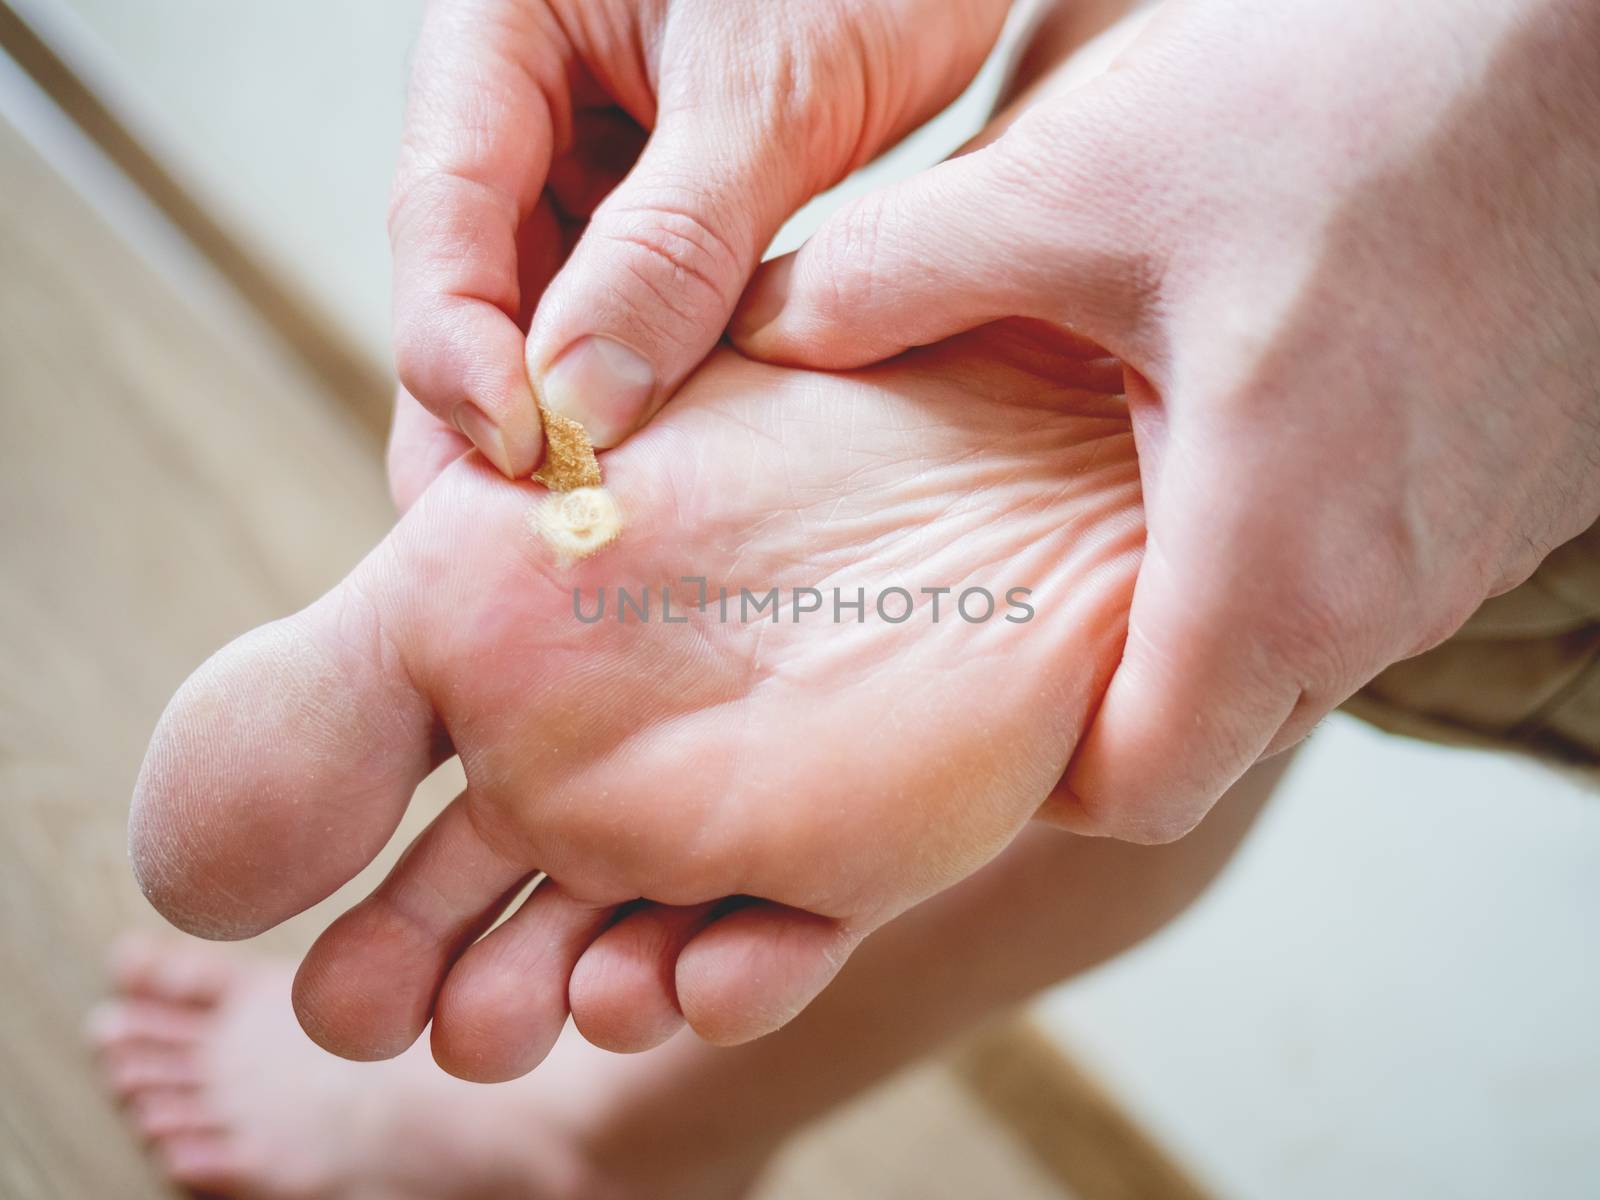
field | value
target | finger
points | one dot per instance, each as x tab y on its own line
367	986
605	145
483	116
624	992
650	285
752	971
504	1003
1217	659
420	447
1191	707
420	444
1036	223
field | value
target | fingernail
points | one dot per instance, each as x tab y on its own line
602	385
764	298
483	433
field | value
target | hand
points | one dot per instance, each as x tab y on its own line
526	130
826	769
1350	254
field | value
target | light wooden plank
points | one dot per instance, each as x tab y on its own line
165	483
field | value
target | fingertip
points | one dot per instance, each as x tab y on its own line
1140	824
754	325
462	358
487	436
789	319
420	447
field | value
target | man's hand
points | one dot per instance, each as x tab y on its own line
683	132
1350	254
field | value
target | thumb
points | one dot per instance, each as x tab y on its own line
652	281
1240	634
1026	226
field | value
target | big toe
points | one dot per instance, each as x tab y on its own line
279	770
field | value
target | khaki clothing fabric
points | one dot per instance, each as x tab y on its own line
1523	673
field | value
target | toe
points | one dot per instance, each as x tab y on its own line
166	1113
366	989
169	972
751	971
624	994
204	1162
280	768
137	1021
504	1004
131	1071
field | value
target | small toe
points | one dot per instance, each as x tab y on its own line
166	1113
624	992
753	970
204	1162
131	1071
504	1004
366	989
137	1021
168	970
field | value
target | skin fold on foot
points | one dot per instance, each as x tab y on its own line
776	789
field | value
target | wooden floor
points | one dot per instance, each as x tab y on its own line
168	478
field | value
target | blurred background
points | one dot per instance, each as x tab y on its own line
1394	990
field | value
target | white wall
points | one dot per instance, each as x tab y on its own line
1395	991
285	116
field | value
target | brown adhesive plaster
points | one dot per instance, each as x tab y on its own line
579	517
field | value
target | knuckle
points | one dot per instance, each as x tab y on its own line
414	194
677	257
851	256
416	356
1094	198
454	211
1321	636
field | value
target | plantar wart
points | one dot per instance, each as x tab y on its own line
578	523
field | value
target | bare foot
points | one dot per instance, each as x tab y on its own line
831	770
202	1050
